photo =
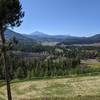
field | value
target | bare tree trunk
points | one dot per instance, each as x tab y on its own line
7	76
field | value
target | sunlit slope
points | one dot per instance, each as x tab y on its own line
85	88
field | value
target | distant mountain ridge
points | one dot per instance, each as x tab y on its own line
9	34
61	39
82	40
42	37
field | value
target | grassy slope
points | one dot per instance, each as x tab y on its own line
80	88
93	63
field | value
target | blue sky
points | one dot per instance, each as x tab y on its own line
69	17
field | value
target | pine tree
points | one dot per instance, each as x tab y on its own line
10	16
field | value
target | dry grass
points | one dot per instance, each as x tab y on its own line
92	63
55	89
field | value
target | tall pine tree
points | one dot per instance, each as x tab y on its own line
11	15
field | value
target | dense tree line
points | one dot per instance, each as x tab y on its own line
57	62
85	52
31	67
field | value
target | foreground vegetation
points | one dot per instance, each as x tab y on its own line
34	69
49	61
78	88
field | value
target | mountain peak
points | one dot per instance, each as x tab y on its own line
37	33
